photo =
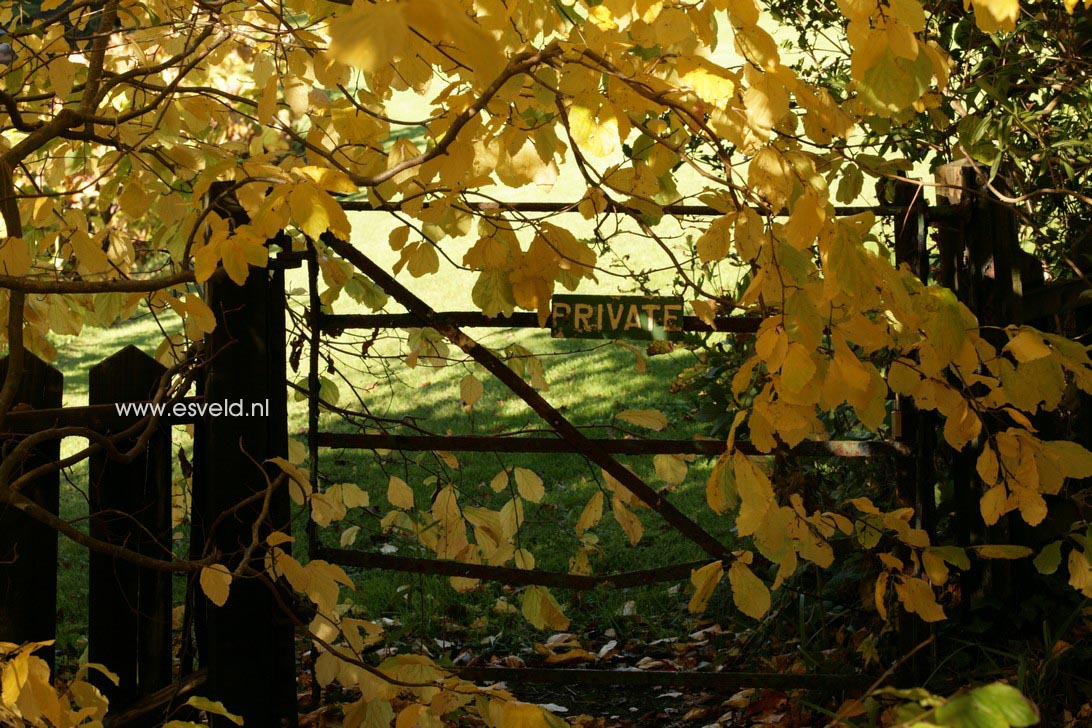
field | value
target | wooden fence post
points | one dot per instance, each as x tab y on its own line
915	480
249	646
983	263
28	549
129	613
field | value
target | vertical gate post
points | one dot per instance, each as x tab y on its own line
914	472
982	264
28	549
129	611
917	429
249	648
954	184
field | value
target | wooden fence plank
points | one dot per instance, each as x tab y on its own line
28	549
129	614
248	645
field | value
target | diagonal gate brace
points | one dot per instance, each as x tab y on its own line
579	442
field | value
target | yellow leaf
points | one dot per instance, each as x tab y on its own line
954	555
1074	459
199	317
299	485
470	390
216	582
370	36
994	504
934	567
591	514
880	595
987	466
1080	572
267	105
705	311
705	580
1028	345
213	707
748	591
526	167
542	610
420	259
529	485
594	125
756	495
352	496
670	468
994	15
90	258
278	538
770	175
716	242
797	369
399	493
499	482
348	536
506	712
628	520
720	490
917	596
766	99
772	345
714	84
649	419
401	151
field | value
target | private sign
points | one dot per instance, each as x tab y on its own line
616	317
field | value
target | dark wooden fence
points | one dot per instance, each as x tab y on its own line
245	649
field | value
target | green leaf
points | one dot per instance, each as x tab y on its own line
992	706
954	555
362	290
1049	559
895	83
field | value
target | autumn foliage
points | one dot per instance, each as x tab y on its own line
119	117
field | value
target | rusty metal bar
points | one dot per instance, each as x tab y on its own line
941	212
486	443
336	323
506	574
634	678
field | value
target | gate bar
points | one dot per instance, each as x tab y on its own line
485	443
635	678
507	574
939	212
336	323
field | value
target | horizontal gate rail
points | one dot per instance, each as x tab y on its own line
485	443
661	678
507	574
937	212
99	417
336	323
